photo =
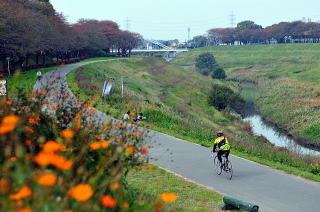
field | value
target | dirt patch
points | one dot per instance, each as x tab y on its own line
309	101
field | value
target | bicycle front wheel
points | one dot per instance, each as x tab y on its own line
217	165
228	170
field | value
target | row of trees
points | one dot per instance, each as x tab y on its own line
33	29
248	32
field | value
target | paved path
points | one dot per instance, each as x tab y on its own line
272	190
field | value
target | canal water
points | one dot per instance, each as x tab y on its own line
275	135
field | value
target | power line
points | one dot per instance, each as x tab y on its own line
232	19
127	23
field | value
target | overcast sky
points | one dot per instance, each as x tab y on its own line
170	19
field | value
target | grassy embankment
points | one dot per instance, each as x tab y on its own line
284	82
175	102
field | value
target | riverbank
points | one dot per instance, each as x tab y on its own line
286	78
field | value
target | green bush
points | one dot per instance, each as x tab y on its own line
218	73
222	97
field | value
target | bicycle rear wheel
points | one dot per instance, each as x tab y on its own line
217	165
228	169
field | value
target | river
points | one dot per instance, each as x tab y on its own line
276	136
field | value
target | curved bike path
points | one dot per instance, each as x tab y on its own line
271	189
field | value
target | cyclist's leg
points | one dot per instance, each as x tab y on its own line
220	153
227	152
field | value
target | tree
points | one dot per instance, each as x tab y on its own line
205	63
248	25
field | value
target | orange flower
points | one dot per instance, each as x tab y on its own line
47	158
95	145
108	202
104	144
115	186
55	93
47	105
35	94
130	149
48	179
168	197
61	163
29	129
97	137
144	150
4	185
51	147
8	124
43	159
135	135
24	192
132	114
43	92
125	206
67	133
33	121
25	210
54	108
13	159
9	102
75	84
81	192
118	125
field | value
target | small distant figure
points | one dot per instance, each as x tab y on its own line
141	117
39	75
126	116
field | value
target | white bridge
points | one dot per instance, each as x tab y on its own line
163	48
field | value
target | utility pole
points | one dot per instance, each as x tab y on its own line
127	24
232	19
122	87
189	34
8	59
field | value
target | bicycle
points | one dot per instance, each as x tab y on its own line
226	166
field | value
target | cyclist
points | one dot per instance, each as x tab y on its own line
223	146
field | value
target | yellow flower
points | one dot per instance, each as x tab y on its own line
48	179
67	133
81	192
168	197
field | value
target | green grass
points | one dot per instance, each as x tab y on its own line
174	100
286	91
191	197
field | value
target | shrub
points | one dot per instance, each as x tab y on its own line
218	73
222	97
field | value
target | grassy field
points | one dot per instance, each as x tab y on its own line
174	100
283	82
191	197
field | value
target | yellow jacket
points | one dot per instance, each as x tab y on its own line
222	143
